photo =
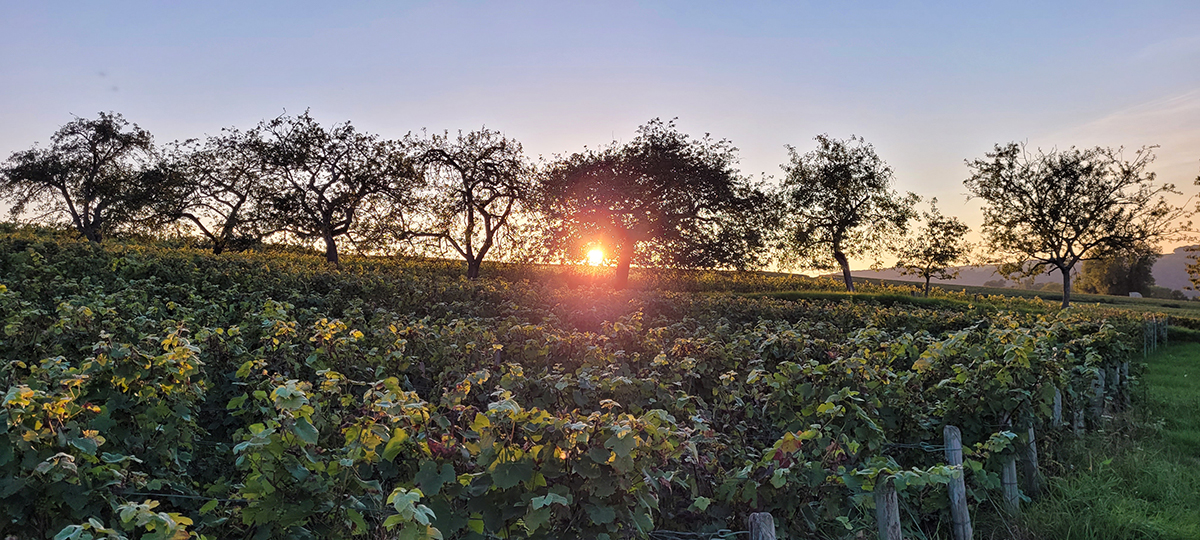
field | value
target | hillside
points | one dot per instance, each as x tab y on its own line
1170	271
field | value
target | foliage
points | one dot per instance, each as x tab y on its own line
839	204
474	186
268	395
1050	210
221	187
934	251
1119	273
99	174
662	199
323	180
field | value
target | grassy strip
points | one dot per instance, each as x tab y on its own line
1142	486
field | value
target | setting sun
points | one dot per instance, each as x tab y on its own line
595	257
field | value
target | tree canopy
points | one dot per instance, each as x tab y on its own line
1049	210
473	186
662	199
1119	273
839	203
97	173
322	178
221	187
936	248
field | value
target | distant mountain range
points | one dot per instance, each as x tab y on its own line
1169	271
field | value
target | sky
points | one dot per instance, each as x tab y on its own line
929	84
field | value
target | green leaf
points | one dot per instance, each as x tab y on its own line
395	444
536	518
507	475
87	445
476	523
305	430
70	532
480	422
700	504
547	500
208	506
622	446
601	514
431	480
599	455
237	401
360	526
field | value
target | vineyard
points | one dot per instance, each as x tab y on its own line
163	392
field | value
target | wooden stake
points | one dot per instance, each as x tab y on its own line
1008	479
1056	420
887	509
1033	477
960	515
761	525
1098	399
1127	390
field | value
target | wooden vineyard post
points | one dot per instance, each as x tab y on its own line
1008	480
1033	477
1113	380
887	509
1056	412
1098	399
959	513
761	525
1126	390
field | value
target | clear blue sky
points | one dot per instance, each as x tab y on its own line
928	83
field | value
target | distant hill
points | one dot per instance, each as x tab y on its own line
1169	271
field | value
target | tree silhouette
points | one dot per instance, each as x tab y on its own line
1050	210
321	178
97	173
1119	273
221	187
663	199
840	204
936	248
473	185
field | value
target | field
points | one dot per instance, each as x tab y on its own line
157	391
1140	481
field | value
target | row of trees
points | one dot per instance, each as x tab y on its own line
662	199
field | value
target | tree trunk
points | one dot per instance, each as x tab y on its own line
845	264
219	246
1066	287
473	268
926	286
331	254
93	235
621	277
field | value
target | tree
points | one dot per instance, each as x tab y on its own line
322	178
221	187
662	199
1119	273
933	252
472	187
1050	210
840	204
97	173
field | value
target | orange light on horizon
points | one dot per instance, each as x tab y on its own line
595	257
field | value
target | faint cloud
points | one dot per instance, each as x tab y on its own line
1171	122
1170	47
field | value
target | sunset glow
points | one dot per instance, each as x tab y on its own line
595	257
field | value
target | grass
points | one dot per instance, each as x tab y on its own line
1142	482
